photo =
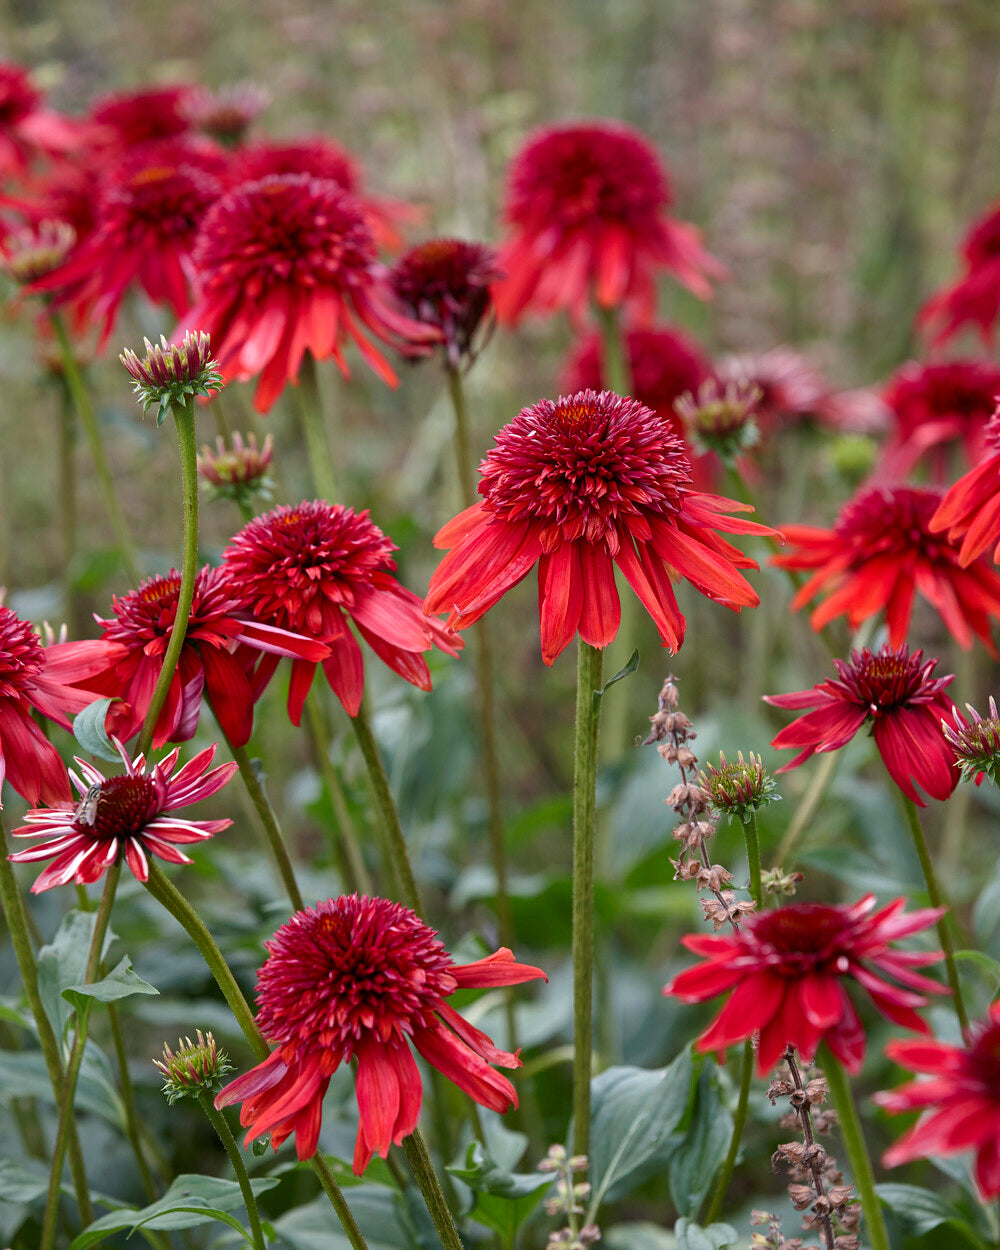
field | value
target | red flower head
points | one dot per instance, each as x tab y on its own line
311	567
142	624
576	487
939	404
287	265
363	978
975	298
970	510
880	552
789	967
896	692
27	129
129	118
147	217
445	283
41	679
127	817
962	1101
322	158
587	207
664	364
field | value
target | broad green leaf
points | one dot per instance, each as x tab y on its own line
23	1074
638	1236
315	1226
503	1199
89	731
121	982
697	1158
191	1200
691	1236
63	963
919	1210
634	1111
21	1184
990	968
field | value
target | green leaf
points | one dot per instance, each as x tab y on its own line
503	1199
990	968
697	1158
638	1236
21	1184
89	731
121	982
919	1210
23	1074
631	666
634	1112
691	1236
378	1211
191	1200
63	963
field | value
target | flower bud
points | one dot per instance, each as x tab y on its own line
193	1067
720	418
173	373
739	788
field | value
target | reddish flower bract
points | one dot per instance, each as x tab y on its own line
311	567
586	207
578	486
939	404
974	300
126	817
970	510
905	704
363	978
961	1101
787	969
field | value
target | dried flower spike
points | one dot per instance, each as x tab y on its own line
173	373
741	787
193	1067
976	745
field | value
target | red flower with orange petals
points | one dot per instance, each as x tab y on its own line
961	1101
577	487
287	265
789	968
974	300
364	978
311	568
45	680
905	705
879	554
128	817
969	513
586	205
939	404
322	158
142	625
664	363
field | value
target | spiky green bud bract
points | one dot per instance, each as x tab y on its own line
192	1068
173	374
741	787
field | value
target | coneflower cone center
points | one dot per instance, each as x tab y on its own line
797	940
890	679
22	656
123	809
895	519
350	968
588	465
982	1060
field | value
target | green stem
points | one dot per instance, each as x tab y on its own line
427	1179
187	446
396	856
937	899
463	443
310	410
345	843
85	411
615	370
128	1102
753	857
269	823
857	1151
101	922
739	1123
221	1126
67	506
588	681
807	806
168	896
17	927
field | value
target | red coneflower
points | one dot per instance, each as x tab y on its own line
311	567
577	486
961	1100
127	817
586	204
286	265
142	624
879	554
323	158
41	679
445	283
664	363
27	129
129	118
970	510
145	225
789	969
975	298
939	403
363	978
895	691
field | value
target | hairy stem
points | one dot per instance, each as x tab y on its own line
753	857
221	1126
269	823
310	410
188	448
128	1102
346	847
427	1179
